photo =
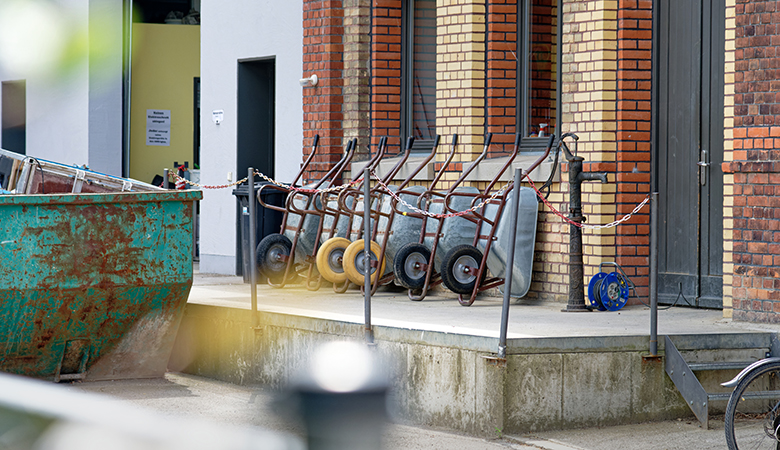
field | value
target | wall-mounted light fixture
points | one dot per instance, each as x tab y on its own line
311	81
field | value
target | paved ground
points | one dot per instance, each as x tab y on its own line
227	404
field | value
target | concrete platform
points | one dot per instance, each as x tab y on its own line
441	312
562	370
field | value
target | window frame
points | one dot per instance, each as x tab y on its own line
407	77
528	143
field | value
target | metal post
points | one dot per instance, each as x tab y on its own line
252	243
654	274
366	255
165	179
510	259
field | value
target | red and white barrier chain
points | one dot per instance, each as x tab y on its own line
471	210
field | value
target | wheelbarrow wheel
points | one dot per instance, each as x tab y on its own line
459	268
272	255
409	264
330	259
354	258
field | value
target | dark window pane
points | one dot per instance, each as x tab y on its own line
424	70
542	68
14	116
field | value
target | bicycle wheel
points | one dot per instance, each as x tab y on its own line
753	411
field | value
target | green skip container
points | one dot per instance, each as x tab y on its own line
93	286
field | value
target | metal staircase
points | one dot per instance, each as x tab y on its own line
695	361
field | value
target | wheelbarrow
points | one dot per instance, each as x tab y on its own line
465	267
282	257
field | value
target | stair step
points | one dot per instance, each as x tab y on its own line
767	395
733	365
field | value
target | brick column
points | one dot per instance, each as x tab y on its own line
460	86
752	165
386	71
323	33
501	76
589	104
356	90
728	157
634	115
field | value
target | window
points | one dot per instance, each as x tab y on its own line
14	116
537	87
418	72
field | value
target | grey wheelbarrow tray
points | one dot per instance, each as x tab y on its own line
351	201
345	222
277	256
444	235
411	260
395	226
489	219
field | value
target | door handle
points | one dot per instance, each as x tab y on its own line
703	164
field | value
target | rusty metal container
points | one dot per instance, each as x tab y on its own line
93	286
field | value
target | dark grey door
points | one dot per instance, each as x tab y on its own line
689	152
256	127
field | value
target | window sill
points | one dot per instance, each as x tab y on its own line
488	169
386	165
485	171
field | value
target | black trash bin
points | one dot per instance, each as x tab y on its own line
268	221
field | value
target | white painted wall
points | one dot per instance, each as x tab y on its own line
75	117
233	31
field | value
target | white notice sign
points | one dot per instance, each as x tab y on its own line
158	127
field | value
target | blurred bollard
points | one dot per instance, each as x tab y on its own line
343	395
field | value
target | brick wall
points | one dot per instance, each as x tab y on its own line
460	89
386	72
754	164
323	34
356	89
633	114
728	156
501	76
589	97
606	85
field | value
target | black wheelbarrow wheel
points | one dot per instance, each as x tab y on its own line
459	268
273	253
330	259
353	262
409	266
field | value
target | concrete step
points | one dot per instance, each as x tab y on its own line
728	365
686	355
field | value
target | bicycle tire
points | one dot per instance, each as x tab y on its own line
747	418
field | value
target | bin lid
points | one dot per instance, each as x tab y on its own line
243	188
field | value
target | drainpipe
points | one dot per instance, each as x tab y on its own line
576	270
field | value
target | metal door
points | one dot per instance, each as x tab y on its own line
689	151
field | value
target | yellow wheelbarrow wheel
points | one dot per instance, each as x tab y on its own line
354	258
330	259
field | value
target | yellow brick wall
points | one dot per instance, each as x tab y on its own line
460	73
728	156
589	109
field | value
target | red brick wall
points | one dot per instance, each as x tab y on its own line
633	167
756	165
501	78
323	34
386	72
